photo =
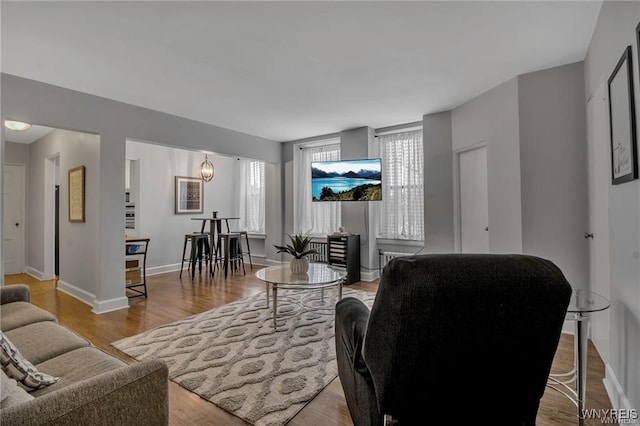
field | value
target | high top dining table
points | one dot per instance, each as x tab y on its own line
215	228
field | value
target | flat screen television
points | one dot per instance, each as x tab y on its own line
347	180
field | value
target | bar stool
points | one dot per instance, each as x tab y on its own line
245	234
232	251
199	250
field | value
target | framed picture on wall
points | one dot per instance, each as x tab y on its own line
76	195
622	115
189	195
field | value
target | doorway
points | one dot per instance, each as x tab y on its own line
14	220
472	200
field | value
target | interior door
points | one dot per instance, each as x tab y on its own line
474	201
13	231
598	235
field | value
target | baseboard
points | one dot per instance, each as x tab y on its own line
38	275
619	400
269	262
156	270
368	275
104	306
77	293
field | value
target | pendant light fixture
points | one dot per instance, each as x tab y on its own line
206	170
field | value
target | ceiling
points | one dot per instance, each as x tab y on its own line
291	70
34	133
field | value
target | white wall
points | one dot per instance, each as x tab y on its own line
158	167
78	251
615	29
492	118
553	162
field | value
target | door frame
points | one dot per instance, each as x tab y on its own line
23	205
457	214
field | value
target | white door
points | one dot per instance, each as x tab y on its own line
474	201
599	158
13	231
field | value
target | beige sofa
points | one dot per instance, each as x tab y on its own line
94	388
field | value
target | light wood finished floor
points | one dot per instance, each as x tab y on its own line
171	298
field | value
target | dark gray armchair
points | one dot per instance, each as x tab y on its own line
452	338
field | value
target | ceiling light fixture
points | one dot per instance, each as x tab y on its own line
19	126
206	169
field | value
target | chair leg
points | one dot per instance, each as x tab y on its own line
192	262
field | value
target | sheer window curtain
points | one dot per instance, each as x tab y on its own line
252	196
309	218
401	212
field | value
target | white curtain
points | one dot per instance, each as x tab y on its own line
252	194
401	214
313	218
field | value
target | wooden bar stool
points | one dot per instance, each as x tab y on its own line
199	250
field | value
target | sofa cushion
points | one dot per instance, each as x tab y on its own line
41	341
17	314
19	368
76	366
10	393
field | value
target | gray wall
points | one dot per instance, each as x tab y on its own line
492	118
553	164
78	251
357	217
17	153
438	183
48	105
615	29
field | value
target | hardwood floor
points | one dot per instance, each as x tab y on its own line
171	298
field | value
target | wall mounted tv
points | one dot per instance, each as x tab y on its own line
347	180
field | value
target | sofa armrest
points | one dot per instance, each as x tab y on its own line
352	316
14	293
135	394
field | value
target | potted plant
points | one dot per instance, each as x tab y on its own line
299	249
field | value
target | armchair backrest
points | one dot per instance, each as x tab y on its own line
445	331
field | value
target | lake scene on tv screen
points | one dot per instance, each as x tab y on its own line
347	180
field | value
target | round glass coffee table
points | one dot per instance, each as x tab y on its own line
318	277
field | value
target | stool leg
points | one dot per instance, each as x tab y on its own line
184	251
193	257
246	236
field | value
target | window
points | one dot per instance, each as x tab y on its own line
401	212
309	218
252	196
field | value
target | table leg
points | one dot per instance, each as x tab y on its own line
580	347
267	286
275	307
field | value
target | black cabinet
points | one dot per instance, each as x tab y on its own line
344	251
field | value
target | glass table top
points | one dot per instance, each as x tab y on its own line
319	274
586	301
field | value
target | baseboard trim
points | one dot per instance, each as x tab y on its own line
38	275
77	293
368	275
618	399
156	270
110	305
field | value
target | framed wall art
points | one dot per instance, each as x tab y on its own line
189	195
622	115
76	195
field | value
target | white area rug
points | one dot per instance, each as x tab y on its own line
232	357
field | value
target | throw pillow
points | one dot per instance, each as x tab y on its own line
10	393
19	368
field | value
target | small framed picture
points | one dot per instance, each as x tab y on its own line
622	115
189	195
76	195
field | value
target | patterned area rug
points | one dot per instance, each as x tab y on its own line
232	357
